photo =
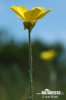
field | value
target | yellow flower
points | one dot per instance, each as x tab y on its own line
48	55
30	16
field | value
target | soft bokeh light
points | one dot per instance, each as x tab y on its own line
48	55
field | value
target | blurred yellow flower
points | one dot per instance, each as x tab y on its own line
48	55
30	16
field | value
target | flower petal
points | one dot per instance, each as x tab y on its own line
31	14
19	10
40	8
42	14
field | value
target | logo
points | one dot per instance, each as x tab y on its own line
47	93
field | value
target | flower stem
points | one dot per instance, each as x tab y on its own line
30	67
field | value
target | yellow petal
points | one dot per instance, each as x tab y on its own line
40	8
42	14
31	14
19	10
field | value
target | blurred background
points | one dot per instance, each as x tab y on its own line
48	34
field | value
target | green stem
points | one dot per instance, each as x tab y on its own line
30	67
